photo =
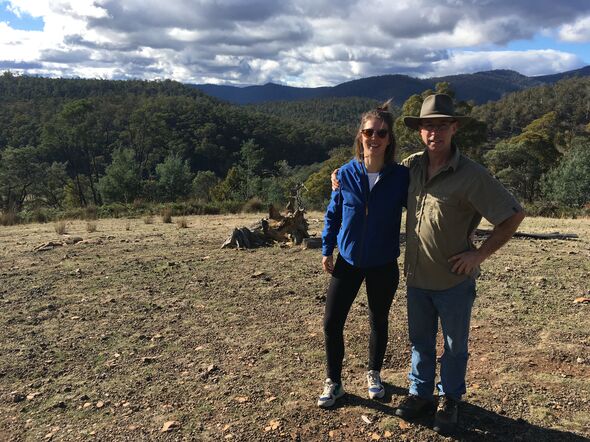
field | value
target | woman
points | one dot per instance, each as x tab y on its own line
363	219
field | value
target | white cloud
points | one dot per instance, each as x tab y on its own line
530	63
578	32
296	42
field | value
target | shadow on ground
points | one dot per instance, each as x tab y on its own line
475	423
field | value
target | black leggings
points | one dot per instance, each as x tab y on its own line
381	283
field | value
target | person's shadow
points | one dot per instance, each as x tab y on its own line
475	423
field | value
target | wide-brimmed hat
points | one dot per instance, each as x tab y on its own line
436	106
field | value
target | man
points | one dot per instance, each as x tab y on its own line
447	197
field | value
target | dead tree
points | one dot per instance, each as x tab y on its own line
276	228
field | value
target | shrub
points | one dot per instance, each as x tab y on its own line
167	215
91	227
39	216
253	205
182	223
569	182
60	227
90	213
8	219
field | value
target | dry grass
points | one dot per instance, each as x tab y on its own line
161	324
60	227
182	223
91	226
8	219
148	219
167	215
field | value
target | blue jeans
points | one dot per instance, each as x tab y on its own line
453	307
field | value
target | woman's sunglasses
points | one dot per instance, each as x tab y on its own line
381	133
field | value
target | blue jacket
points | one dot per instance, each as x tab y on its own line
365	224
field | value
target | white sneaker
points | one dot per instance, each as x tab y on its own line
376	390
332	391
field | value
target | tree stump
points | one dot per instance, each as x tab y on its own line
276	228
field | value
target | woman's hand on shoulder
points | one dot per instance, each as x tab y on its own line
334	180
328	264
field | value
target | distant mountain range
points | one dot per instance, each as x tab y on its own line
480	87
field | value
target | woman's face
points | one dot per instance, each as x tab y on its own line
375	138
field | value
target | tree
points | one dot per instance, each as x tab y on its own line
408	140
204	181
174	178
569	182
521	161
20	169
252	157
232	187
122	181
318	184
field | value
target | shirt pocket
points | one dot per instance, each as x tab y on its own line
441	209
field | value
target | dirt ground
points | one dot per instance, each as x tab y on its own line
140	325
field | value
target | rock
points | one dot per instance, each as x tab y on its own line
32	396
272	425
170	426
580	360
100	404
72	240
15	396
366	419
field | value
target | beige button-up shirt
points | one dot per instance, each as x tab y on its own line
442	214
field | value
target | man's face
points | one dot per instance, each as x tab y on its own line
437	133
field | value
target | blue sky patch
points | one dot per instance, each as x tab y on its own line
582	50
25	22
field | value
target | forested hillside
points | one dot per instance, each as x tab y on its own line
328	111
479	87
69	145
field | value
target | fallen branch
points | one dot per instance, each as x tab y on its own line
553	235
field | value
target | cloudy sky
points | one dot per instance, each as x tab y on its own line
294	42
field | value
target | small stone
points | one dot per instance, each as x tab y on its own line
366	419
32	396
17	397
170	426
100	404
87	405
580	360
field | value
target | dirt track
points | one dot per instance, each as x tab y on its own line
143	324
